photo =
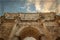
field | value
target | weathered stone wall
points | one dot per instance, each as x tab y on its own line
5	28
46	23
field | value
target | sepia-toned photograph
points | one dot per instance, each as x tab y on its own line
29	19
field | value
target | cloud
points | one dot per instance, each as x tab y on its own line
37	5
28	5
46	6
49	5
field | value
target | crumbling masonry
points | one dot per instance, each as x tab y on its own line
42	26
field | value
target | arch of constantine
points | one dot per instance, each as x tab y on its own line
37	26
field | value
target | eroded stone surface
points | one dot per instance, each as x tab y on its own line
42	26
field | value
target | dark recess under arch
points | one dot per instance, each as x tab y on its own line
58	38
1	39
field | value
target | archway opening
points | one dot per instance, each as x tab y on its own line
29	38
30	32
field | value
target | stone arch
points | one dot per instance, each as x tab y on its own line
37	28
29	32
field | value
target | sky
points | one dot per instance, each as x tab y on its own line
28	6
